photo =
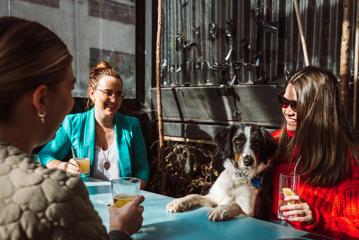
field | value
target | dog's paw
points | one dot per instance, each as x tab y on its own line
219	213
178	205
225	212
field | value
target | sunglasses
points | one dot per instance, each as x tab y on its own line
284	102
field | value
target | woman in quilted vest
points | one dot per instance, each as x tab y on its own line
36	80
315	140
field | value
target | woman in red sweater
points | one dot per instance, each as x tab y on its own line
315	137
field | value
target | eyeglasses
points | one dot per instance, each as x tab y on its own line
110	93
284	102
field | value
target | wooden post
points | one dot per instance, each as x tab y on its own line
160	148
356	68
344	56
301	33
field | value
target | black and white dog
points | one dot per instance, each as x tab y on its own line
245	150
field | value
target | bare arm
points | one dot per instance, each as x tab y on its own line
70	167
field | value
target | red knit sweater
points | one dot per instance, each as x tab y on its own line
335	209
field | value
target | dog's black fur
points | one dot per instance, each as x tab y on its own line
245	151
261	140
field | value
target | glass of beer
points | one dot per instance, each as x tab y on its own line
84	166
83	159
124	189
288	185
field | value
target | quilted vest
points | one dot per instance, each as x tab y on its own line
38	203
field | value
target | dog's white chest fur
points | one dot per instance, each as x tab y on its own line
228	188
245	150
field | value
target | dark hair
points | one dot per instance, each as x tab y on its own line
103	68
30	55
322	138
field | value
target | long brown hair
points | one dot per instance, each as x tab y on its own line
103	68
322	135
30	55
322	138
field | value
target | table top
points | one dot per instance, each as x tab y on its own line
159	224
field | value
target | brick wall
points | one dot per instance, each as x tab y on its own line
113	11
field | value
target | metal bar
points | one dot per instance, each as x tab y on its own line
77	35
275	9
320	33
302	38
316	36
334	29
172	15
182	139
253	35
165	49
189	36
266	36
9	7
176	62
179	30
204	41
290	61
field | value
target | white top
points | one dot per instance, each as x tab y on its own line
102	158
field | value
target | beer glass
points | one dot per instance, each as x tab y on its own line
124	189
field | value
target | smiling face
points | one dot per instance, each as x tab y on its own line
105	105
289	114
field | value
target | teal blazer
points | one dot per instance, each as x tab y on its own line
78	131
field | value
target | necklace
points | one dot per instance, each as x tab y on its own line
106	163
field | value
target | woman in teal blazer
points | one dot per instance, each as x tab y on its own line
89	133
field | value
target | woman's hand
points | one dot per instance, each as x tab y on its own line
298	212
128	218
72	166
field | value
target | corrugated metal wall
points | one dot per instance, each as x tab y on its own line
212	42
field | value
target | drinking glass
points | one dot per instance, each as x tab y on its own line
288	183
124	189
82	156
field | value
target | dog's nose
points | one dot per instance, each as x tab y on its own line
247	161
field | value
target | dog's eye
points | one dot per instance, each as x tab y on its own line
240	140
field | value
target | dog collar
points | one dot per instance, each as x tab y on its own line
256	182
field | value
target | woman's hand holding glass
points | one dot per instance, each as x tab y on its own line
298	212
128	218
72	166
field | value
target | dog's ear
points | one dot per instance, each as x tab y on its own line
269	146
223	140
224	148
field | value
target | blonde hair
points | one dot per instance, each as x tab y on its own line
30	55
103	68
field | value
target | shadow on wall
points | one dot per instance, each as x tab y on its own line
200	112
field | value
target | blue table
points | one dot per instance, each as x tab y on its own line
160	225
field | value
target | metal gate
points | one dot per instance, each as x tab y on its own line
230	42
